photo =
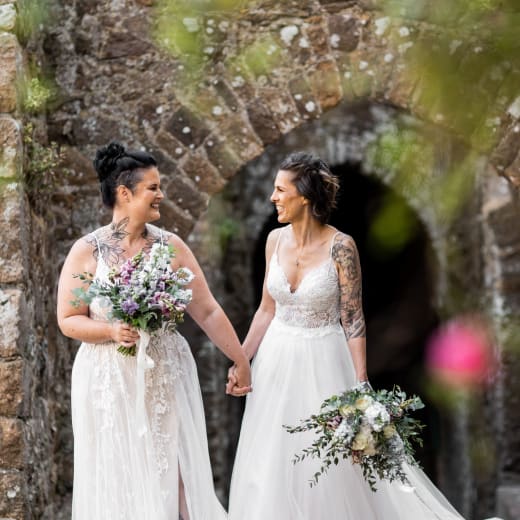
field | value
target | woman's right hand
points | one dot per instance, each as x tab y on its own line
239	379
123	334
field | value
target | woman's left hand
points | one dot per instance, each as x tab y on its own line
232	385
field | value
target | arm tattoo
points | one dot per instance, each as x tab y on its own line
344	253
110	238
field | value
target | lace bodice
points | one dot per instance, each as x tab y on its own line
314	303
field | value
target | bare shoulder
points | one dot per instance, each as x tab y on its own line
343	242
272	239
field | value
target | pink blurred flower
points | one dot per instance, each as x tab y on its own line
460	353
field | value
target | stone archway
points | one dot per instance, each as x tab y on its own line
116	83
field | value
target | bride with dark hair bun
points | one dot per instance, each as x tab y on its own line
119	473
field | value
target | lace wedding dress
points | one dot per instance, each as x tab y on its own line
119	474
302	360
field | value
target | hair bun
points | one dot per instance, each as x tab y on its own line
106	159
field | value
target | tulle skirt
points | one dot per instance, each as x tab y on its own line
294	370
121	475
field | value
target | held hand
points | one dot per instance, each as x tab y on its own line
239	380
123	334
232	380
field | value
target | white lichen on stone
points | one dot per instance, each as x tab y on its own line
209	50
514	108
298	97
334	40
516	129
288	33
186	130
389	57
404	47
217	110
493	122
197	178
7	17
348	74
210	143
404	32
191	24
454	45
159	110
363	65
382	25
210	30
478	49
178	150
238	81
304	43
223	26
310	106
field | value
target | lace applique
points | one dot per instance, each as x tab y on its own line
315	302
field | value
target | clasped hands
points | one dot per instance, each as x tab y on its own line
235	377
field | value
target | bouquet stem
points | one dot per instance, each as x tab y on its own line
127	351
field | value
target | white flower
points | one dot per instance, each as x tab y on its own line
377	416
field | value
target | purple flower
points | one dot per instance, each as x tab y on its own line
129	306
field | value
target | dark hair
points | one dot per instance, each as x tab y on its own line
314	180
117	166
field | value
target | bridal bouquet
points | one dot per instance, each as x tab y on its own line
144	291
372	428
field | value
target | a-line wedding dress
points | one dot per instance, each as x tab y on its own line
118	474
303	359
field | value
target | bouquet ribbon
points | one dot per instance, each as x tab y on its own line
144	362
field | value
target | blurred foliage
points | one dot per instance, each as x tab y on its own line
43	169
461	56
32	17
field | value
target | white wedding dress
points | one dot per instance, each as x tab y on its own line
118	474
302	360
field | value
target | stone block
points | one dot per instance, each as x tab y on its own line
10	147
14	235
282	108
173	218
202	172
185	193
344	32
262	121
512	172
10	61
7	17
12	443
222	156
12	322
13	388
326	84
303	98
187	127
240	137
13	496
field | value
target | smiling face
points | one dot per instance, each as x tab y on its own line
289	202
146	197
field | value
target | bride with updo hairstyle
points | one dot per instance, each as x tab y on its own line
119	472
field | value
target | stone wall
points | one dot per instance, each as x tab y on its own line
115	83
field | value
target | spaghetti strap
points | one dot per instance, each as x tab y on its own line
278	240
